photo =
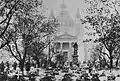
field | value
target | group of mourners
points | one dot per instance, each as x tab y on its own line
12	72
82	76
70	74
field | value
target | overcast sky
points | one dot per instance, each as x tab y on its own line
72	5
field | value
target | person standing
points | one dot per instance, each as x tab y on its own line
2	67
28	67
14	65
8	65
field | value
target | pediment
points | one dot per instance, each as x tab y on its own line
66	36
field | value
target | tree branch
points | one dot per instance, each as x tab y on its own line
104	53
6	26
3	20
11	14
105	45
25	53
12	52
43	48
115	8
16	46
7	41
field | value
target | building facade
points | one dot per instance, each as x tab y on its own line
69	32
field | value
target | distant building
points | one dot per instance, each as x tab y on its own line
69	32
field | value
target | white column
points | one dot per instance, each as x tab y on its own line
85	51
61	45
70	45
70	52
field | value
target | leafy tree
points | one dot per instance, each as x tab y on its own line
37	51
22	25
48	31
31	43
29	26
103	17
117	55
98	55
60	59
8	11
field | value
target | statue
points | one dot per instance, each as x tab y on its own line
75	46
75	56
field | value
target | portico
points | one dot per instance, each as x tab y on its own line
64	43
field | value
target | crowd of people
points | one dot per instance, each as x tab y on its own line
12	72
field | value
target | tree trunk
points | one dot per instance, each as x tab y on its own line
21	65
106	63
38	63
117	62
111	60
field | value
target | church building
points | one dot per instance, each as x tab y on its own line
69	31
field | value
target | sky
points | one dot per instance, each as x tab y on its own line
72	6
